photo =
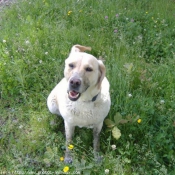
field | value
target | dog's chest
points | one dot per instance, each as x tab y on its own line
82	110
83	113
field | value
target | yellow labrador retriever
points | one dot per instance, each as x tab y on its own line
82	97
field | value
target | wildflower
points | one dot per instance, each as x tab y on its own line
106	17
69	12
162	101
113	147
39	119
129	95
27	42
115	31
139	120
46	53
4	41
20	127
70	146
66	169
106	171
130	136
140	37
40	61
117	15
6	52
61	159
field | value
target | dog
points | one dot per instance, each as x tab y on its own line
82	97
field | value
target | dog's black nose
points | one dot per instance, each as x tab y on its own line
75	83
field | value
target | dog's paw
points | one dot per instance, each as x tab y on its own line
68	159
98	158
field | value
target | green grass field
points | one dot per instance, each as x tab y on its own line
136	41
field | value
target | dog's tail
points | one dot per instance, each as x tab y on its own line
79	48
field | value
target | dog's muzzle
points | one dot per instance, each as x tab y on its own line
74	86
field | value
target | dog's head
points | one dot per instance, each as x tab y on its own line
84	74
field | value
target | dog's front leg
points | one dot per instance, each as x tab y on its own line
96	141
69	129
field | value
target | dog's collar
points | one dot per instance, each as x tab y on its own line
94	98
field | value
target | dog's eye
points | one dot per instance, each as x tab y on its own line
71	65
88	69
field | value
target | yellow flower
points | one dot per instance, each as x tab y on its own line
139	120
66	169
61	158
69	12
70	146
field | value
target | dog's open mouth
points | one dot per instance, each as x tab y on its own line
73	95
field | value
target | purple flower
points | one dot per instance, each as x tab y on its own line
117	15
115	31
106	17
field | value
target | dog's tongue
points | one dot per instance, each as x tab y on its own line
73	94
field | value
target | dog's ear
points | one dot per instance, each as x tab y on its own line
102	71
79	48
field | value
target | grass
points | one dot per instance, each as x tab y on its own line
135	39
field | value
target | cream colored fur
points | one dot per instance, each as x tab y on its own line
83	112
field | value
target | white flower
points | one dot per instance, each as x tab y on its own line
106	171
20	127
46	53
39	119
27	42
40	61
130	95
113	147
162	101
130	135
4	41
